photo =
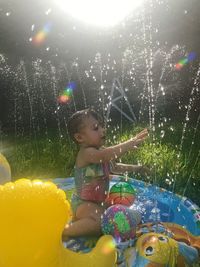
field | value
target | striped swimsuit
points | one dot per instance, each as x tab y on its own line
91	184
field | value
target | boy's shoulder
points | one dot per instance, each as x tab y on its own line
83	155
87	150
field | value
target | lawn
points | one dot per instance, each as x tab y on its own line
172	168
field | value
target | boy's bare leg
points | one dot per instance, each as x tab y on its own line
88	221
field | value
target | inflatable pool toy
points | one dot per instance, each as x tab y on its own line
173	230
154	249
121	193
33	215
5	171
119	222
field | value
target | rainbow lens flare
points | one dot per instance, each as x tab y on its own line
66	95
185	61
109	247
40	37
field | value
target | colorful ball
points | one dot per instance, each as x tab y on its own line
121	193
119	222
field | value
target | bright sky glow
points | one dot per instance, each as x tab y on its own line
103	13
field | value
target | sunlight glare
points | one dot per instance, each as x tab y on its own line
103	13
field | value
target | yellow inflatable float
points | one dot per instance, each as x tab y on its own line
33	215
5	171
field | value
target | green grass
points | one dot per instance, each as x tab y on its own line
52	157
40	158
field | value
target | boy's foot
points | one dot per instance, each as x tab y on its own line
83	244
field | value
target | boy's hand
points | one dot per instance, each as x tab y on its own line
140	137
144	170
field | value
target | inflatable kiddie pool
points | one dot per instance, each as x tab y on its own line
155	204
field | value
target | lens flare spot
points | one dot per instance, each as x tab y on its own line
184	61
109	247
41	36
66	95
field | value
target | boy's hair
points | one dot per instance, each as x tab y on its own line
75	122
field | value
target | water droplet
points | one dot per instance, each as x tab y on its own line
168	181
48	11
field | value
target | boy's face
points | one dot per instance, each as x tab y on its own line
92	134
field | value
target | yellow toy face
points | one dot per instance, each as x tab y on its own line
157	248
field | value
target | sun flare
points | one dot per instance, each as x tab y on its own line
103	13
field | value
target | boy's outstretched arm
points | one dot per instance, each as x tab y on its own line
93	155
120	168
